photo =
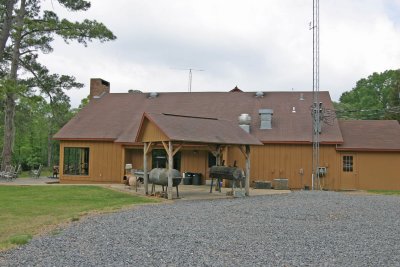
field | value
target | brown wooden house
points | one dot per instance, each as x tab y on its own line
108	134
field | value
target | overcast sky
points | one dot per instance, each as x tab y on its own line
255	44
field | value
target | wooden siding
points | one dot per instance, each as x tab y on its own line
372	170
134	156
378	170
195	161
273	161
151	132
105	162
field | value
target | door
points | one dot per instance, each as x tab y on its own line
348	177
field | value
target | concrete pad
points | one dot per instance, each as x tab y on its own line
186	192
199	192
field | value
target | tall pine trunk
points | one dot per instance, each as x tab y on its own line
7	23
9	112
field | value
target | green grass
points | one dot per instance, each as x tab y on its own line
46	172
29	210
385	192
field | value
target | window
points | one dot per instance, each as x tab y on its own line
348	163
76	161
160	159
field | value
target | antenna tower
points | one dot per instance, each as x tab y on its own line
190	79
317	106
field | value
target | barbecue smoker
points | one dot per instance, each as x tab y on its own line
230	173
159	176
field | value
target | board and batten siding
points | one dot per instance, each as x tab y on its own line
151	132
105	162
195	161
273	161
377	170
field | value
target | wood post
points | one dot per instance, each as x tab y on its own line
247	181
146	178
170	167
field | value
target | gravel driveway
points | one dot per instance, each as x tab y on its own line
301	228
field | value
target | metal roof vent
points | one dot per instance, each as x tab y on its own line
266	118
131	91
244	122
301	97
153	95
259	94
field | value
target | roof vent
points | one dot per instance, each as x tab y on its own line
266	118
244	122
153	95
301	97
259	94
134	91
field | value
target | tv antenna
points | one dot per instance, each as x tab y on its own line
190	77
317	106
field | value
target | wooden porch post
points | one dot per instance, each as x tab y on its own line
247	181
218	156
170	167
146	179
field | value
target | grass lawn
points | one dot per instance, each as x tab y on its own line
29	210
46	172
385	192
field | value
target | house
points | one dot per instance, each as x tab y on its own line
112	129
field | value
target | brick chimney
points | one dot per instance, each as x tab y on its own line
98	87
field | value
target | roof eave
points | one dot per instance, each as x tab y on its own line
361	149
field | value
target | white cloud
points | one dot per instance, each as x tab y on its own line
255	44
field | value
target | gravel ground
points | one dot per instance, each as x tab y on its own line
301	228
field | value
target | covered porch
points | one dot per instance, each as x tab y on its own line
175	133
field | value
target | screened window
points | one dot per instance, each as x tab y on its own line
76	160
347	163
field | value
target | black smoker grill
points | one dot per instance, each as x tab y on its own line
229	173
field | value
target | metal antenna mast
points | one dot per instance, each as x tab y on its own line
317	106
190	79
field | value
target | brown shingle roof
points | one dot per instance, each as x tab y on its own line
370	135
117	116
201	130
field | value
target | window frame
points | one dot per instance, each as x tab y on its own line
347	163
76	161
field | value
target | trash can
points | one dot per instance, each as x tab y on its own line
188	178
196	178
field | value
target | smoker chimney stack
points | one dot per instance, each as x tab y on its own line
98	87
266	118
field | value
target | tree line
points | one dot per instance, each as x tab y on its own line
33	101
376	97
